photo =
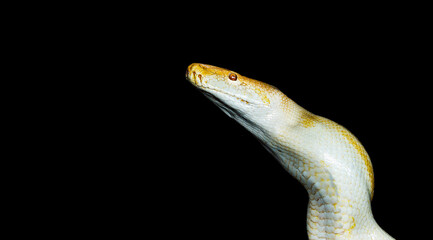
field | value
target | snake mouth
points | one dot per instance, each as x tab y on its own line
197	80
214	92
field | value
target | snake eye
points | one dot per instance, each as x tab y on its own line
233	77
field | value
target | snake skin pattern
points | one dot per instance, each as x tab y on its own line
322	155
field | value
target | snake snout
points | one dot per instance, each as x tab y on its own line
193	74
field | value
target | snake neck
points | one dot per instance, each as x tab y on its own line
334	211
327	222
339	191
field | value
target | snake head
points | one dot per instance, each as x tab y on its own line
227	85
252	103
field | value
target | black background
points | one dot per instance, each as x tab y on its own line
164	159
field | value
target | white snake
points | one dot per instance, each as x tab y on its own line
324	156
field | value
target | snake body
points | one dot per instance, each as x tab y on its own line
322	155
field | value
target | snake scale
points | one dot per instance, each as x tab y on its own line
322	155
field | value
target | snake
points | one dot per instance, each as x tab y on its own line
325	157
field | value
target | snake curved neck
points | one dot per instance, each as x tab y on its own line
339	201
322	155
